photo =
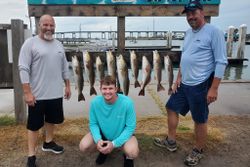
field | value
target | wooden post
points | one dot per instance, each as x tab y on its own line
121	34
113	41
238	73
230	40
37	25
169	39
5	66
17	41
242	40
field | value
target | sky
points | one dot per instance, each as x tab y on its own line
231	13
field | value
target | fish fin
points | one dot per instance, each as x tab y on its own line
77	71
81	97
142	92
170	91
92	91
160	87
127	87
137	84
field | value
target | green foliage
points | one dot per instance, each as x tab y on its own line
183	128
7	120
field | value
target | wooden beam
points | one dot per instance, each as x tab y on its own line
17	28
6	79
115	10
120	34
37	25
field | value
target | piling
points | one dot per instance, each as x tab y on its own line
113	41
230	40
17	28
242	40
169	40
6	80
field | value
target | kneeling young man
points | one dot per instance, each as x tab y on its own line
112	123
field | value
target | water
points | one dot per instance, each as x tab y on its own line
239	72
232	72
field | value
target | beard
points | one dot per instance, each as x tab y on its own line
48	35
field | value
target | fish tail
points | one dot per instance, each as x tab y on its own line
170	91
160	87
142	92
92	91
81	97
137	84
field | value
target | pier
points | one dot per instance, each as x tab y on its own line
86	36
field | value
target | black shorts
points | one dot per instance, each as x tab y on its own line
50	111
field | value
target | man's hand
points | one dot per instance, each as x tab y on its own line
29	99
105	147
175	86
177	83
212	95
213	90
67	94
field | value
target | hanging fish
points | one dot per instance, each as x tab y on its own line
78	76
134	68
89	69
146	72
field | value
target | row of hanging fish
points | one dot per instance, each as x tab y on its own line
117	68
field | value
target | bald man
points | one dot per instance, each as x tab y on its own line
43	68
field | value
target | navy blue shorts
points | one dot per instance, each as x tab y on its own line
193	98
50	111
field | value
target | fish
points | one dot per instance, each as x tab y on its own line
99	68
111	64
89	70
146	75
157	63
134	68
78	76
122	71
169	69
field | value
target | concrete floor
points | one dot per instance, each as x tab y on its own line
234	99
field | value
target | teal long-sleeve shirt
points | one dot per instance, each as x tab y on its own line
117	121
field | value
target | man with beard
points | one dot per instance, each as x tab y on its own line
43	67
112	122
202	66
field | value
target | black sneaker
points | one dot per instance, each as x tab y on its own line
101	158
128	162
166	143
31	161
53	147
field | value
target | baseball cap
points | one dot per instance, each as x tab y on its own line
192	5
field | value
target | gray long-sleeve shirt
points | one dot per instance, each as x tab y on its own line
43	64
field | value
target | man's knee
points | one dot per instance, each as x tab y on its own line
86	146
83	147
132	152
